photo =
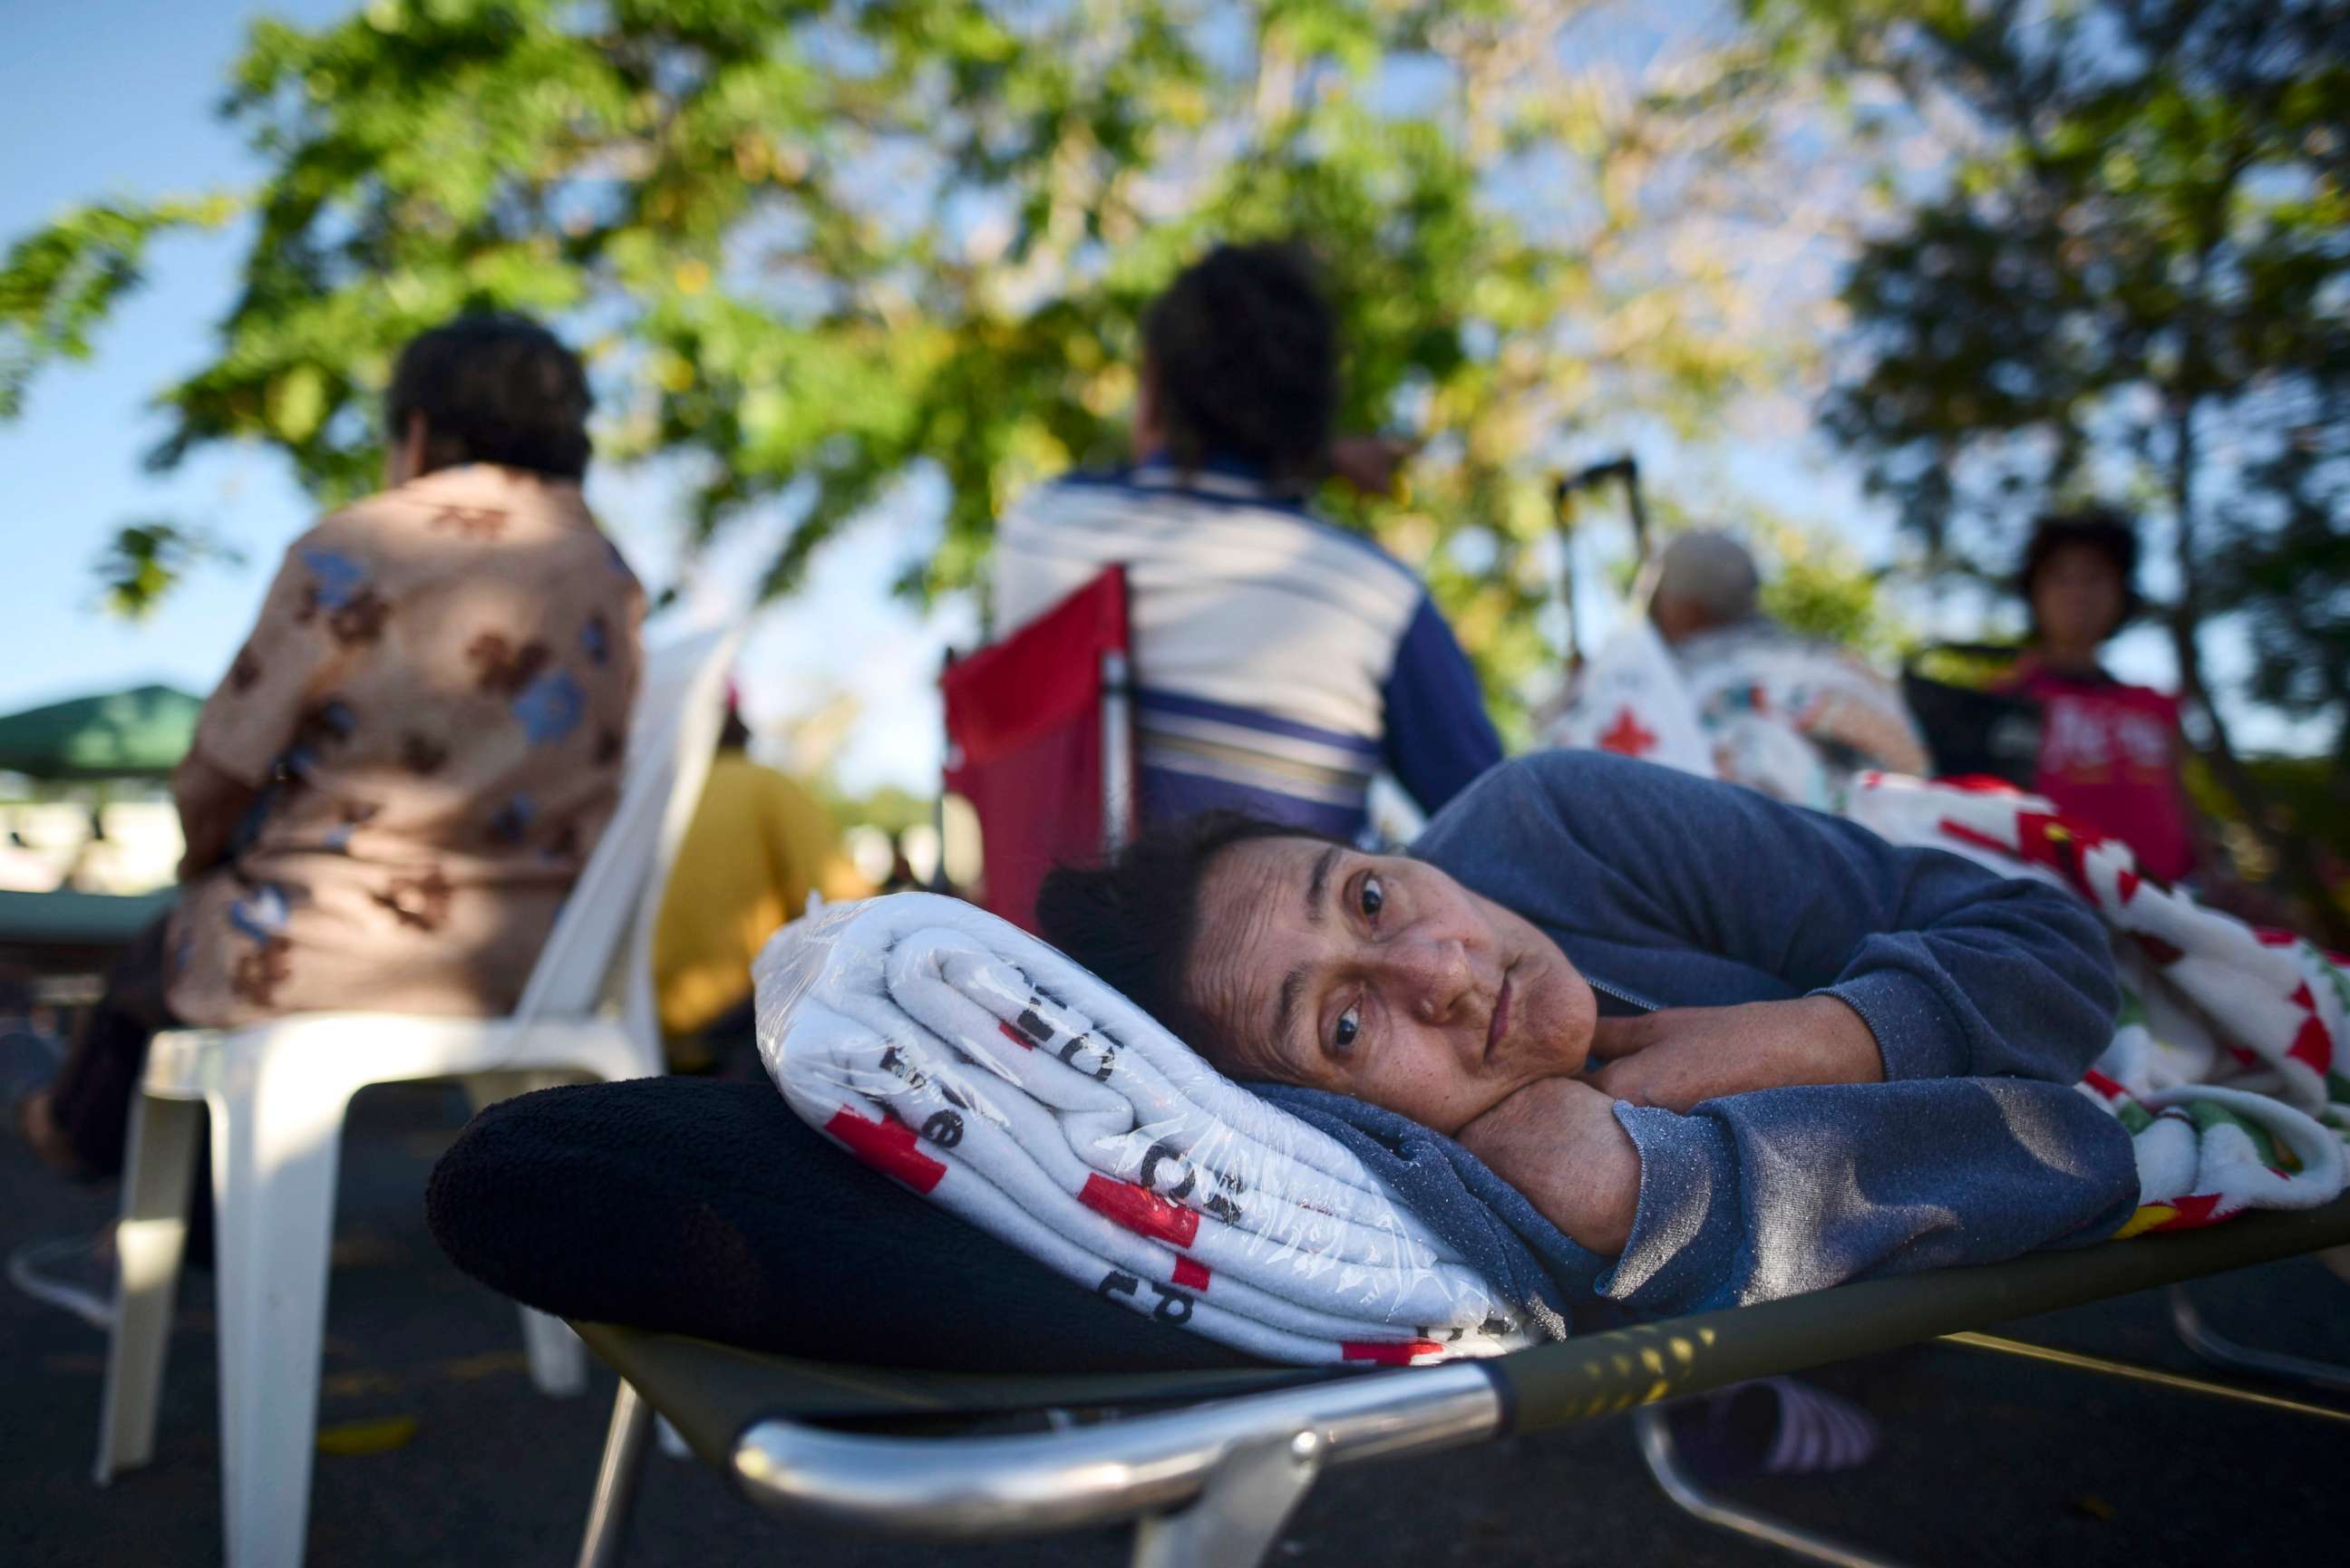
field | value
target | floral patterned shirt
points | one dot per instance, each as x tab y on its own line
433	707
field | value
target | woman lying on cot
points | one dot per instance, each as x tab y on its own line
1698	1029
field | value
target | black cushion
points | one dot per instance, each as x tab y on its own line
708	1209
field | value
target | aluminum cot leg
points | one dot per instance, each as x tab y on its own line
1663	1458
1241	1507
2199	1338
617	1478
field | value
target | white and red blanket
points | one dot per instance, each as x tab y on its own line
2227	1065
976	1065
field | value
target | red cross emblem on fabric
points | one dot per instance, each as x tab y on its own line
1626	738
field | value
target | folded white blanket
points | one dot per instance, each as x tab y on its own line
979	1067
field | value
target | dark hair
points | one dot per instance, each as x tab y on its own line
734	735
2100	528
493	388
1245	355
1134	920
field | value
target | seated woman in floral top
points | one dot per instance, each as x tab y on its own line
413	754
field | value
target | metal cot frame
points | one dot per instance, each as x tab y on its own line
1211	1480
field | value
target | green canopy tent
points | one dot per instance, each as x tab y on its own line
139	733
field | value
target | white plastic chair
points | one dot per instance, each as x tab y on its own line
276	1094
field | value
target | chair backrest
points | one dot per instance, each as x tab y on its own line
1970	730
1040	740
601	947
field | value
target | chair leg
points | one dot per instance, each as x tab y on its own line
2198	1337
617	1476
149	1243
1663	1458
275	1145
558	1361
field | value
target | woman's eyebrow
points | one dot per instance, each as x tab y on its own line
1318	884
1292	987
1292	984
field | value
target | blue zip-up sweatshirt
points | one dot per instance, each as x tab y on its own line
1988	996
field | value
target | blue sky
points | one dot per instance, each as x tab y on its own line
69	469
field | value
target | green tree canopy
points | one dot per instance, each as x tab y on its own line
814	250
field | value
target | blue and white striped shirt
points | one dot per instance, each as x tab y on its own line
1280	661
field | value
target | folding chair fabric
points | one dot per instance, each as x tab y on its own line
1025	734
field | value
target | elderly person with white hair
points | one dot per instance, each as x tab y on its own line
1706	583
1792	716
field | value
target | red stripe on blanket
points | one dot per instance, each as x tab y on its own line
1191	1275
1977	784
888	1146
1016	1037
2313	1046
1954	828
2041	839
1140	1210
2105	1087
1380	1355
2194	1211
2271	937
2126	885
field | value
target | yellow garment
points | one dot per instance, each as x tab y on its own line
757	844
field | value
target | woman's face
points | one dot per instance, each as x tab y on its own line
1380	977
2076	597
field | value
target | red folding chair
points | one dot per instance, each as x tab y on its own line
1040	740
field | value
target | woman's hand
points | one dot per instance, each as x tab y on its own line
1679	1056
1558	1142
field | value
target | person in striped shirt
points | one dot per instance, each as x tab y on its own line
1281	662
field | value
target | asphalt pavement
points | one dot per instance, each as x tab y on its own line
438	1450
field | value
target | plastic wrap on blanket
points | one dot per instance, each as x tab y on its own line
984	1070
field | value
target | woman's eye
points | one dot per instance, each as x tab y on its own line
1375	897
1349	1024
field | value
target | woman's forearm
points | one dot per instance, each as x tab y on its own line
212	801
1680	1057
1557	1141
